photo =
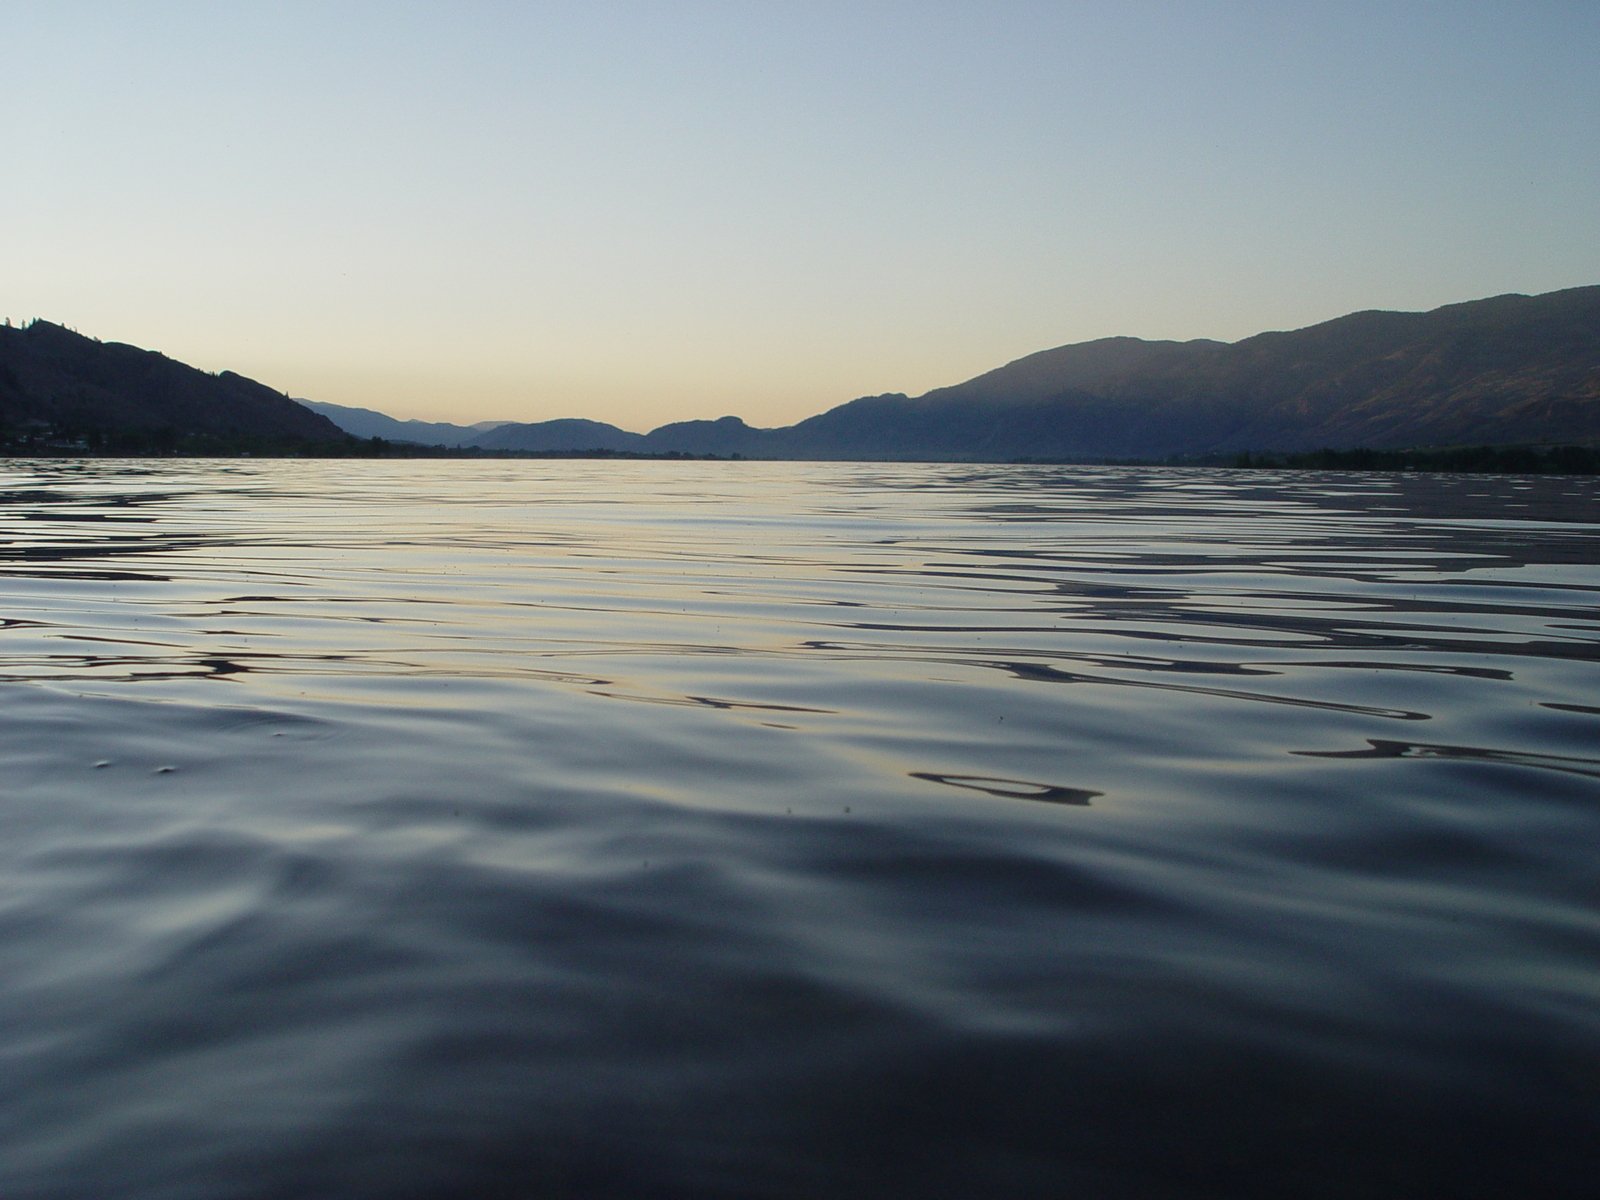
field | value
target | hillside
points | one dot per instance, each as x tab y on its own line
562	434
1504	371
72	391
1513	369
368	423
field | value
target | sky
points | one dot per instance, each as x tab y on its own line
647	212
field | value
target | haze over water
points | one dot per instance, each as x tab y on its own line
412	829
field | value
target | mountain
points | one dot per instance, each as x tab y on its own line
564	434
60	386
368	423
1512	369
1503	371
726	436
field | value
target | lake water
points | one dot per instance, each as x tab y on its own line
526	829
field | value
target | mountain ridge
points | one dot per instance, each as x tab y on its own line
84	393
370	423
1505	370
1508	369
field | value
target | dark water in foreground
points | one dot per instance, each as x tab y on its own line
722	830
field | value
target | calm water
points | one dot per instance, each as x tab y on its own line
754	830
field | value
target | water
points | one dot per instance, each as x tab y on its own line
539	829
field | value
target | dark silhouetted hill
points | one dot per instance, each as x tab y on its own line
561	435
1512	369
726	436
1507	371
109	395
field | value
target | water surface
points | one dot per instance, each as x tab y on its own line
737	829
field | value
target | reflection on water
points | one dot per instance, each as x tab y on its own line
678	829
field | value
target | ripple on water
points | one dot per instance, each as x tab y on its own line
742	829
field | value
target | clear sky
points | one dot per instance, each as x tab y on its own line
648	212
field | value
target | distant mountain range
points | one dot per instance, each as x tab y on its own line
368	423
1504	371
1509	370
